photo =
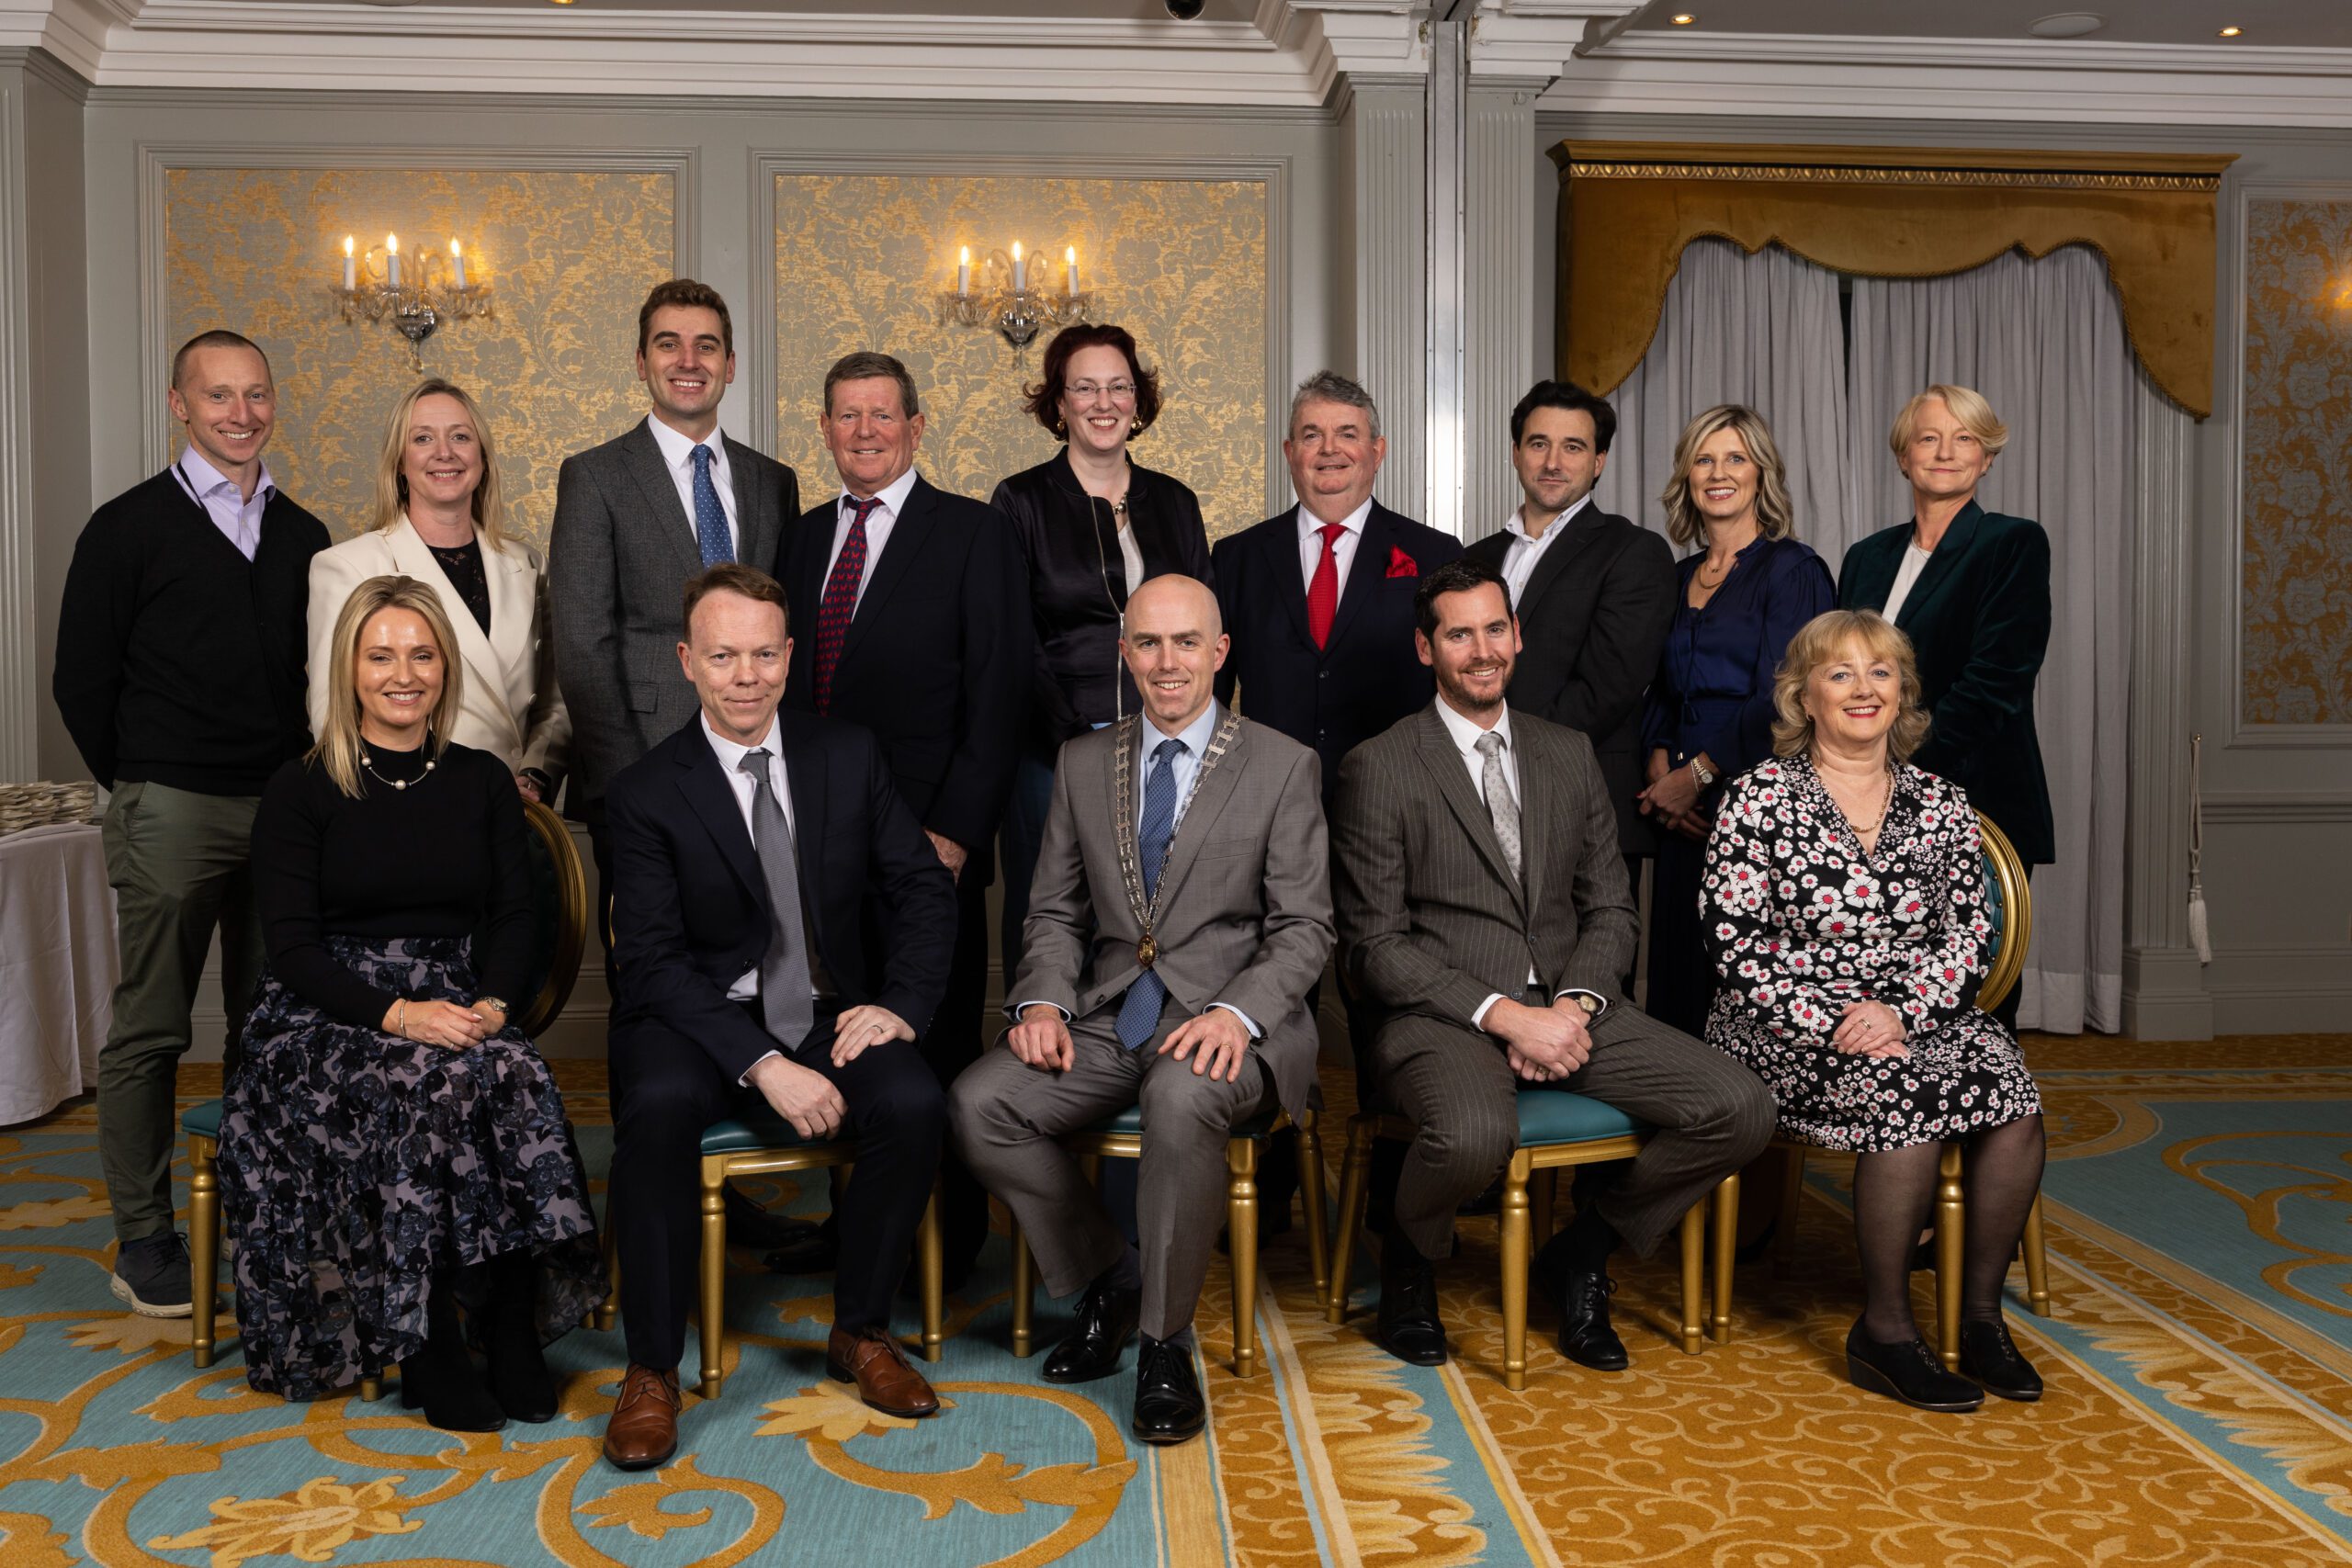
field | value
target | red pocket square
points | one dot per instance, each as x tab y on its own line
1402	565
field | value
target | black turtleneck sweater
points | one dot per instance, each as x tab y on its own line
443	857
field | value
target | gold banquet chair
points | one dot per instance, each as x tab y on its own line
1121	1137
558	930
1557	1131
2011	906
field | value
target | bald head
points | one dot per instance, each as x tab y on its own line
1174	643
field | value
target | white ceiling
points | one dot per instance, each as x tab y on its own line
2270	24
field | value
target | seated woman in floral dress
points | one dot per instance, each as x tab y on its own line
1844	908
390	1144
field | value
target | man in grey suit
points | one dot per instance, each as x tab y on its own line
634	519
1181	914
1484	915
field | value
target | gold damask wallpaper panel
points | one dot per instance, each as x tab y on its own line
2296	584
861	262
569	257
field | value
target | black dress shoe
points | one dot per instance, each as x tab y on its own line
1105	1321
749	1225
1988	1356
1908	1372
805	1249
1407	1326
1586	1337
1169	1407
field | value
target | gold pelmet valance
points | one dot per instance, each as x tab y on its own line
1628	208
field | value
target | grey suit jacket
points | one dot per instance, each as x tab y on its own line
619	557
1245	915
1432	920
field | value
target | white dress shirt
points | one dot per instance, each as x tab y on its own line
1343	548
236	515
893	497
1130	558
1915	561
678	457
1464	734
1520	560
1186	765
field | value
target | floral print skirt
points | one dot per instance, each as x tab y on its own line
353	1164
1964	1074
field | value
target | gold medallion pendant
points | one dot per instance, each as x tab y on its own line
1146	951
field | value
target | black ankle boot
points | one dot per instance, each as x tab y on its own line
519	1379
439	1379
1908	1371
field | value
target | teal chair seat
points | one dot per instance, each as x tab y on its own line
1547	1117
1129	1123
748	1135
202	1121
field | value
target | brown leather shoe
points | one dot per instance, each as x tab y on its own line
885	1378
643	1431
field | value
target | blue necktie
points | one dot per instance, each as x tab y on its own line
1139	1014
710	518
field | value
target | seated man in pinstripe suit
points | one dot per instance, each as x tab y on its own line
1485	919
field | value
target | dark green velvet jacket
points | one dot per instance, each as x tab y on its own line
1979	618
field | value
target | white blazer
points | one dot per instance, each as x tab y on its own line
510	706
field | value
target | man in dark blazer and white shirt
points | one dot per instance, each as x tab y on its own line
1594	590
1182	989
913	610
1483	914
634	519
750	850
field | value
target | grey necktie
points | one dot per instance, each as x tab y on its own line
1500	806
784	973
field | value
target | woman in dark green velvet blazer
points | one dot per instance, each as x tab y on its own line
1971	589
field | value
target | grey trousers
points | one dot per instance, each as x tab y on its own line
178	863
1711	1115
1007	1118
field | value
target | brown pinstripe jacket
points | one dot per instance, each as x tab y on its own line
1432	920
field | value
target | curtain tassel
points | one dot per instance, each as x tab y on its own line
2200	937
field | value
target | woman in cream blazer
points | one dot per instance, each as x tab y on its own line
439	519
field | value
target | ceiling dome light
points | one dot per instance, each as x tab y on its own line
1682	19
2067	24
2230	33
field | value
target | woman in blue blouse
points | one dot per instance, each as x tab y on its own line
1709	715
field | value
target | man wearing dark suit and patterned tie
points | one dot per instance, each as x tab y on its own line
916	605
751	848
1485	918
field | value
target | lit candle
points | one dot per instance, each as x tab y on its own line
393	259
1020	269
963	272
457	263
350	268
1069	271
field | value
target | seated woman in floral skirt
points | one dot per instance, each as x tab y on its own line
1843	903
390	1144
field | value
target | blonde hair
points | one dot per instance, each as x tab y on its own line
391	485
1967	405
1775	518
1824	640
338	748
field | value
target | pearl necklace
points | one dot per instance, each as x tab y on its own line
369	763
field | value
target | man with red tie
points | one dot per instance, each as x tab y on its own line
917	605
1319	603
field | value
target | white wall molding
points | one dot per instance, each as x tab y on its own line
1501	351
2281	991
1384	128
2269	807
20	692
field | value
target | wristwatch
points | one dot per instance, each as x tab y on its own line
1703	773
1590	1003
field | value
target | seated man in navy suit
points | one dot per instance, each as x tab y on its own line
744	847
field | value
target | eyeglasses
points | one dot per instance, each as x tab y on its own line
1084	392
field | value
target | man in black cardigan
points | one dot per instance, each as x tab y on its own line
180	639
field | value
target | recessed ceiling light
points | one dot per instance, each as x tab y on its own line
1682	19
2067	24
2231	32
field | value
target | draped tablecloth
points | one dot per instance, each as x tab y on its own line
58	965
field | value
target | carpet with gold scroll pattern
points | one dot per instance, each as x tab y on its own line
2200	1410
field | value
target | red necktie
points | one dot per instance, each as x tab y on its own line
1323	590
840	602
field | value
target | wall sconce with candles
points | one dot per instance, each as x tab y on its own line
1008	303
405	290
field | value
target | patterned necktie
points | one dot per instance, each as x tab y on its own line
1499	803
710	518
785	1002
1323	591
1139	1014
840	602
